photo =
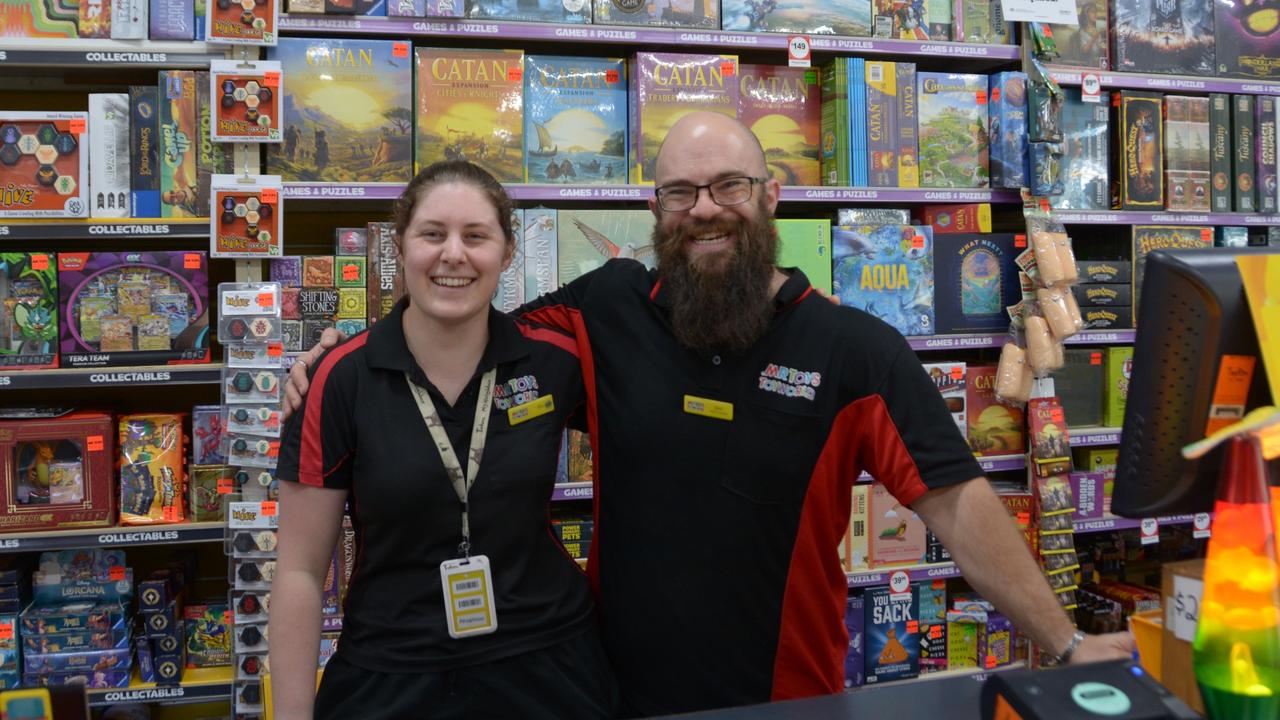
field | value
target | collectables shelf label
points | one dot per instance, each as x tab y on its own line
144	695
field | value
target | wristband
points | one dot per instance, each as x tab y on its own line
1065	656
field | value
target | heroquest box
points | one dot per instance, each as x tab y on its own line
43	171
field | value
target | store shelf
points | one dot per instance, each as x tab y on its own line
629	35
1181	83
194	228
964	342
897	195
203	374
1101	217
112	537
1093	437
975	673
571	491
1112	522
82	53
1002	463
348	191
331	624
198	685
916	573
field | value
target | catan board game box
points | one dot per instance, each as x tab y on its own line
470	107
575	120
782	106
667	86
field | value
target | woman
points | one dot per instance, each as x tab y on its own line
439	429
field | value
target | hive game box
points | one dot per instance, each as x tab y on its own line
676	13
975	278
1163	37
575	120
44	171
348	111
782	106
802	17
470	107
1248	40
586	239
891	626
28	311
664	88
886	270
994	428
953	130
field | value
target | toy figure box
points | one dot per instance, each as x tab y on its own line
43	172
1248	40
892	628
678	13
1163	37
975	278
994	428
28	311
665	87
470	106
807	17
152	469
133	308
897	533
575	120
886	270
60	472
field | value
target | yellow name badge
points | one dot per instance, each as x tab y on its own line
706	407
531	410
468	596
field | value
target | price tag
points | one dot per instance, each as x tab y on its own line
6	630
266	299
957	373
899	582
515	74
799	51
935	632
226	617
1061	12
400	49
1024	519
1091	88
1019	241
115	573
79	126
1150	529
192	261
350	273
612	76
981	97
268	508
1182	611
1206	235
226	486
270	196
39	262
170	513
728	68
913	627
990	662
271	78
1200	526
275	349
1095	358
94	443
917	242
273	448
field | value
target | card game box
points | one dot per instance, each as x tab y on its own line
854	669
994	428
172	19
552	11
897	535
806	244
133	308
960	218
892	626
807	17
1139	168
1221	155
1086	489
975	278
1163	37
586	239
44	171
208	638
1155	237
1244	163
42	620
60	472
676	13
109	151
1086	182
855	547
665	87
575	120
1050	446
949	378
1007	119
954	149
1116	390
782	106
887	271
180	141
1186	153
144	151
93	679
1247	40
470	107
152	469
1084	45
323	145
933	626
28	311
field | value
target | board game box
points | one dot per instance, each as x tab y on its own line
949	378
1265	154
891	624
540	245
1079	384
347	109
60	474
41	19
911	19
908	133
133	308
981	21
800	17
1084	45
855	549
179	145
836	146
896	534
994	428
28	311
1140	151
677	13
586	239
1163	36
44	171
1244	163
109	151
470	107
1156	237
1085	171
553	11
1186	153
575	120
1248	40
1010	152
887	271
882	124
782	106
953	130
665	87
1220	152
806	244
975	279
144	151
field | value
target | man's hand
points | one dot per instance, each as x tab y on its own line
298	383
1112	646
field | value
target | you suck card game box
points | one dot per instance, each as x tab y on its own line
891	626
44	171
245	218
247	109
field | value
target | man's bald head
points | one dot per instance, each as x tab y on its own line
710	134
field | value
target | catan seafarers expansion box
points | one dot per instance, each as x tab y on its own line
28	311
44	171
1164	36
953	130
975	278
782	106
805	17
470	107
886	270
664	88
1247	39
575	120
554	11
347	111
677	13
891	626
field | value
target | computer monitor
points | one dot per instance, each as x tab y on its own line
1193	311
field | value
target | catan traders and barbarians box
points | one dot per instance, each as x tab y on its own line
664	88
348	111
575	120
44	171
470	107
782	106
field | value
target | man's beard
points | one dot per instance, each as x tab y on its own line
719	302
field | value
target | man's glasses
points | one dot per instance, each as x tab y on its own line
725	193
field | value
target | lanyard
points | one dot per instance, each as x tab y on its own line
461	483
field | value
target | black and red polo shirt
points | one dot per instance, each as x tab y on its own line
359	430
714	551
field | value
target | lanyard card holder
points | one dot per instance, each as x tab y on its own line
468	596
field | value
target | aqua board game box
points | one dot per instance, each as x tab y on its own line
975	279
575	120
887	271
891	623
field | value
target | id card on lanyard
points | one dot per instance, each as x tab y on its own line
467	581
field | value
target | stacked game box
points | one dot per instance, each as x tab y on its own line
540	248
575	120
1265	155
1010	152
554	11
1163	37
1085	168
586	239
676	13
887	271
782	106
470	107
664	88
808	17
109	164
162	648
975	279
859	159
1244	159
15	594
854	622
1084	44
882	123
1187	153
1220	153
326	140
953	130
1147	238
1247	40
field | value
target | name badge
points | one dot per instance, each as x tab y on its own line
706	407
468	596
531	410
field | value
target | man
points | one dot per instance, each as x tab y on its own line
730	410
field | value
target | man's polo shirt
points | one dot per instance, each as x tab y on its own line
714	550
360	430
